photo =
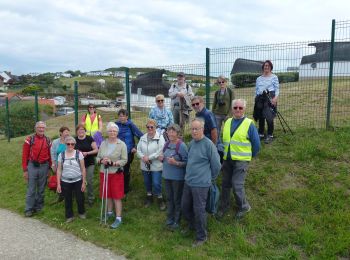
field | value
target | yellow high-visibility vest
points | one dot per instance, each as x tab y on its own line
91	128
239	145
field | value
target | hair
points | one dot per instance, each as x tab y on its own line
40	123
152	121
80	126
268	62
200	120
91	105
174	127
221	78
112	125
123	112
201	100
160	96
63	128
70	138
241	100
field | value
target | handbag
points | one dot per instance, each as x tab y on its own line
213	199
52	183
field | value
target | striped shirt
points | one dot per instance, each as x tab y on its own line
269	83
71	171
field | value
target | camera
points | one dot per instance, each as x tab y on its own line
221	103
148	166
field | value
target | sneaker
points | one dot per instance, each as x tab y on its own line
161	204
261	136
198	243
148	201
240	214
28	214
169	222
69	220
174	226
268	139
116	224
82	216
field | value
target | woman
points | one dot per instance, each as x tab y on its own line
149	150
92	121
127	133
113	155
266	95
174	169
87	146
58	146
71	178
222	102
161	114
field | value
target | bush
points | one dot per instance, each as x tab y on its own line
244	80
30	90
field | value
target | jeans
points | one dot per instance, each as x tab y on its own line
174	190
127	172
37	178
193	204
153	180
68	189
90	182
234	174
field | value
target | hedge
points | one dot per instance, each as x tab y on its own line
244	80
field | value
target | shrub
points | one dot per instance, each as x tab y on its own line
30	90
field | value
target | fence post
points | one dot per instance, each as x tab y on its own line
7	119
36	106
207	78
76	102
330	77
127	91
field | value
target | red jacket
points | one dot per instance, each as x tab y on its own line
40	151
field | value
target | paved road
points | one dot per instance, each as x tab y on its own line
27	238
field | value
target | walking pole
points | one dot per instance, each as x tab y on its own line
106	198
103	192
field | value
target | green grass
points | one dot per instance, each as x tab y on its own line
299	189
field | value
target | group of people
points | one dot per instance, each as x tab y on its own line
222	139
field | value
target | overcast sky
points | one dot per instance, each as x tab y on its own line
60	35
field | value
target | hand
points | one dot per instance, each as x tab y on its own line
172	161
274	101
25	176
83	186
85	154
179	94
53	167
58	189
133	150
105	161
145	159
160	158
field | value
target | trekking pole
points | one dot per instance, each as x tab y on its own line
285	122
104	197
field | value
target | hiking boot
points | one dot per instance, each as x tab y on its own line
148	201
69	220
116	224
240	214
268	139
198	243
28	214
161	204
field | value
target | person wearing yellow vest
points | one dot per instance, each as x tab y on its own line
241	142
92	121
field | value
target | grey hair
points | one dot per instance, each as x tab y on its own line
241	100
201	99
200	120
70	138
40	123
174	127
112	125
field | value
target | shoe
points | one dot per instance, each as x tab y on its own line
169	222
161	204
116	224
34	211
261	136
82	216
69	220
240	214
148	201
173	226
198	243
268	139
28	214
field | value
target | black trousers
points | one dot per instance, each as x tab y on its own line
68	189
127	172
264	111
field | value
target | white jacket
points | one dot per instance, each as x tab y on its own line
153	149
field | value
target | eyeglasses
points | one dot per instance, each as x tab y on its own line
91	107
149	126
160	100
196	128
240	108
70	144
195	104
221	82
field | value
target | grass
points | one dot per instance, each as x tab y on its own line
299	189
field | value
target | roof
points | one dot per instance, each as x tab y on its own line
244	65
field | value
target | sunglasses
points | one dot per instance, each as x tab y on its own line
195	104
70	144
160	100
149	126
240	108
221	82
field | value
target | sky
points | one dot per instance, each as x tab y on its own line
87	35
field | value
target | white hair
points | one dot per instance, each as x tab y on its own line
112	125
244	102
40	123
199	120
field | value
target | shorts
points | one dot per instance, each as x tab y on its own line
115	189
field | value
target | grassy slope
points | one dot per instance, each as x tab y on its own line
299	189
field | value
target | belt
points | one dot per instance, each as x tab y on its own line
41	163
71	179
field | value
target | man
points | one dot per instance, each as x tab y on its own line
181	94
203	166
241	143
210	128
127	133
161	114
36	160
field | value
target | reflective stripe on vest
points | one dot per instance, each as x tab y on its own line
239	145
91	128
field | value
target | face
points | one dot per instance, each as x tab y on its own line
64	134
222	83
172	134
180	80
70	145
197	131
151	129
81	132
112	132
267	68
91	109
197	105
40	129
238	109
160	102
122	118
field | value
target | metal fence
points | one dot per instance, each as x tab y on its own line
314	82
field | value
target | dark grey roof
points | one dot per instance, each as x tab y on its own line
341	52
244	65
151	83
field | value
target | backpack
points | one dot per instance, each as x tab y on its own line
177	148
63	155
187	86
213	199
32	140
229	92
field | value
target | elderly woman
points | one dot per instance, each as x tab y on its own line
113	155
87	146
58	146
71	178
149	150
161	114
174	169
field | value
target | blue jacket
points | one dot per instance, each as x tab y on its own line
127	133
